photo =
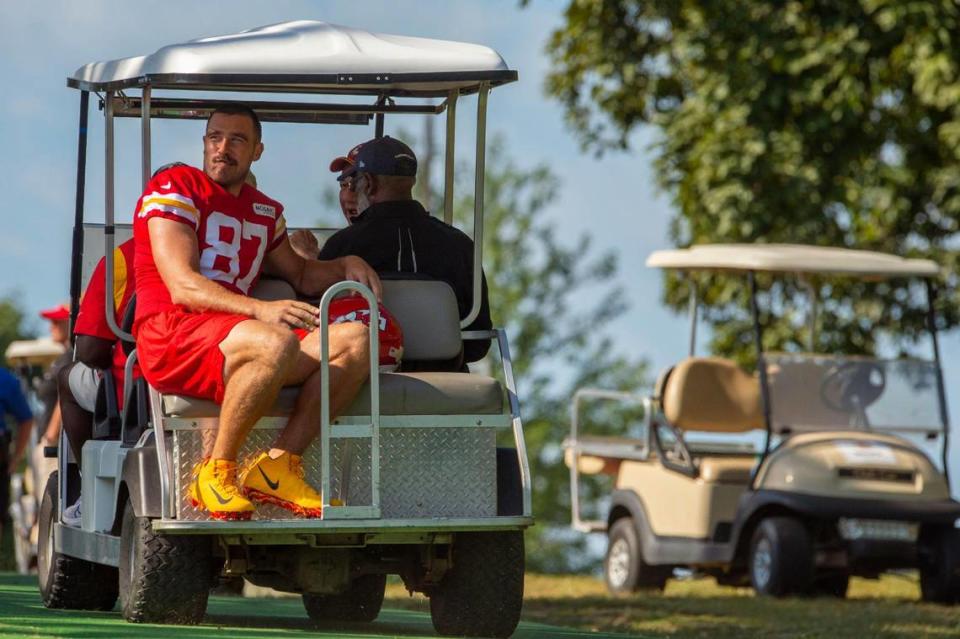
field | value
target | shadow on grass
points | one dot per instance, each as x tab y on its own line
747	616
22	613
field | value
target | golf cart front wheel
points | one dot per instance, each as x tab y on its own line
781	557
482	592
360	602
624	569
163	578
69	582
940	565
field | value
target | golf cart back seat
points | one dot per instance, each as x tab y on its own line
712	394
428	314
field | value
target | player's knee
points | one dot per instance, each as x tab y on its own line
356	337
279	345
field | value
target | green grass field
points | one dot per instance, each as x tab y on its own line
554	606
887	607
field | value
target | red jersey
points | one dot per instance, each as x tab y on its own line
92	319
234	233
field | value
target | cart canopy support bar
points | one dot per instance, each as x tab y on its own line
75	274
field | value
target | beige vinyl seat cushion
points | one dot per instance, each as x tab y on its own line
712	394
400	394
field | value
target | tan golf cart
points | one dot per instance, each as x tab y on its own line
29	359
413	481
834	481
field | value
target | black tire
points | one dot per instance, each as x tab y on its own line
781	558
831	585
482	593
940	566
68	582
163	578
623	567
360	602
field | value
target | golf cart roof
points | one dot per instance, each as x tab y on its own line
33	351
305	56
791	258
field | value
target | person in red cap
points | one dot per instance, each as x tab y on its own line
49	421
303	241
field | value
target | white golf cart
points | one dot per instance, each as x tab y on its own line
29	358
412	479
841	484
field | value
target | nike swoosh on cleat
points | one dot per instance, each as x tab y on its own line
272	484
222	501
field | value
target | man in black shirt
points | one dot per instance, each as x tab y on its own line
395	234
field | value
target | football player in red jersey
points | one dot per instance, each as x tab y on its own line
202	240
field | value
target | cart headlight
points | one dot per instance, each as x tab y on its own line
878	529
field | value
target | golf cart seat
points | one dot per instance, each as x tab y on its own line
428	314
712	394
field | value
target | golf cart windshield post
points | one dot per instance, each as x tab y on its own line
761	370
941	393
145	146
693	306
108	227
75	267
379	119
449	156
480	174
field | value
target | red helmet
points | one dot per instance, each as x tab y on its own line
355	309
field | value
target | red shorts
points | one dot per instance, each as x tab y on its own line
179	351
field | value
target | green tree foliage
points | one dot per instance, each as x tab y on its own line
11	323
808	121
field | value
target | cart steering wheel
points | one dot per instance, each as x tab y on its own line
852	386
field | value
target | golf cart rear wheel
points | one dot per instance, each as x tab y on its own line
940	565
781	558
68	582
623	567
482	592
360	602
163	578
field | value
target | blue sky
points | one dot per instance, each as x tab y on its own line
41	43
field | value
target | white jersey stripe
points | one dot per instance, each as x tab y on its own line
170	209
183	199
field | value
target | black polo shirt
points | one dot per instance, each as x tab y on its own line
401	237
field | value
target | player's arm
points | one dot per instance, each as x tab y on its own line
177	256
313	277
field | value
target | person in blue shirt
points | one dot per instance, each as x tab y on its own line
13	404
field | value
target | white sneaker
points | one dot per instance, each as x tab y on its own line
71	515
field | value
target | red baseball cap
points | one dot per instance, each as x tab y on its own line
345	161
59	313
